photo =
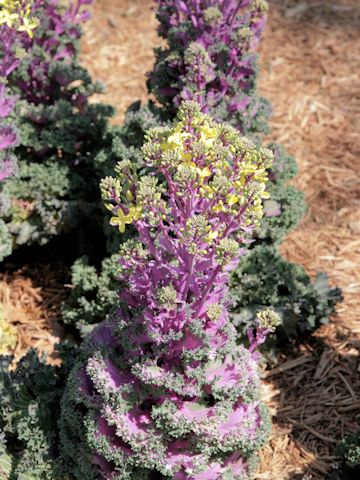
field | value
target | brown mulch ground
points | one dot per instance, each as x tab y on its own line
30	298
118	49
310	71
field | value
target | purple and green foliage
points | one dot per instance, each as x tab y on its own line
11	24
30	399
58	130
163	389
348	451
210	35
211	58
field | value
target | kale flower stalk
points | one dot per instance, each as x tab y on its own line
201	13
207	212
169	392
211	58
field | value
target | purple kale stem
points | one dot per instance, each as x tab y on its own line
164	386
204	295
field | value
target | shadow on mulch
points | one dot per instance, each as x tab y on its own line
34	281
316	399
329	13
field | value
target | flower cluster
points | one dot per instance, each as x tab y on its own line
44	73
211	59
16	14
168	391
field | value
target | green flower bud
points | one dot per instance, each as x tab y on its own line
212	15
167	297
214	311
227	249
268	319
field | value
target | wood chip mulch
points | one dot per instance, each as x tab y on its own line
310	72
30	299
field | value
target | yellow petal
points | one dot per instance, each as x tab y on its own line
212	235
204	172
114	221
232	199
186	158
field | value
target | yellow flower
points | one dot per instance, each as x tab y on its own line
231	199
240	183
165	147
248	170
265	195
121	220
208	134
186	158
12	14
206	191
8	336
220	207
135	212
212	235
203	173
175	140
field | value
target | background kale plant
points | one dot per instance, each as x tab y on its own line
58	130
29	411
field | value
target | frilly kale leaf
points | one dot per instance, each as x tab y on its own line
302	304
29	410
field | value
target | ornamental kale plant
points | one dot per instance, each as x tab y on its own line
163	389
14	18
210	58
59	131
